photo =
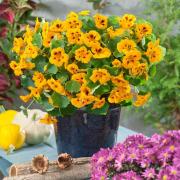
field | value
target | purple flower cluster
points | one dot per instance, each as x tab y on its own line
139	158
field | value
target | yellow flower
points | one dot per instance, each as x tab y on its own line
26	98
37	25
39	79
79	77
101	21
72	68
73	23
101	75
45	29
57	26
16	68
48	120
82	100
84	13
116	63
119	81
85	90
25	64
35	92
126	45
28	35
139	69
131	59
56	86
127	21
18	46
83	55
143	30
100	52
49	37
74	36
72	15
154	52
117	32
58	57
30	51
98	103
118	95
91	38
141	99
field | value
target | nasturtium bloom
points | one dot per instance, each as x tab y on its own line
86	61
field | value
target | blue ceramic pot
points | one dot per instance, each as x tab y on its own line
82	134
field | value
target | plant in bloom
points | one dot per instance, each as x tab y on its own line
87	62
140	157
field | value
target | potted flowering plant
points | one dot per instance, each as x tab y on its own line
89	67
140	157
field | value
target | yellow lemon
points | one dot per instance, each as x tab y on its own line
7	117
11	135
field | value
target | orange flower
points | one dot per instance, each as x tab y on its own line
58	57
139	69
100	52
91	38
101	75
72	68
127	21
98	103
74	36
143	30
116	63
79	77
83	55
154	52
131	59
126	45
141	99
101	21
48	120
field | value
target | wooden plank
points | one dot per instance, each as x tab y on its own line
80	169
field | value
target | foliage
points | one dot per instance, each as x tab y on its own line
139	157
164	108
13	15
86	62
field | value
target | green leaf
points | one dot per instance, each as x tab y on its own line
63	75
163	51
55	112
2	109
40	62
113	43
72	86
126	103
47	106
37	40
103	89
101	111
112	70
117	54
152	70
26	81
143	41
68	111
57	43
113	21
59	100
52	69
135	81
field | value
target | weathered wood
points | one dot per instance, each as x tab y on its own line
80	169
